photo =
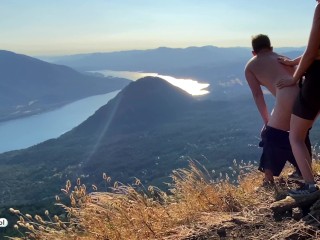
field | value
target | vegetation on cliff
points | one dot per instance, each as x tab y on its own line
199	205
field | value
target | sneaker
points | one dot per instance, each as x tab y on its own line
303	191
296	175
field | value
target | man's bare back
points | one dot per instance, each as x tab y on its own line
264	69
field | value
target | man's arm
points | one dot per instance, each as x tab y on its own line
257	94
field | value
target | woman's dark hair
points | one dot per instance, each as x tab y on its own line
260	42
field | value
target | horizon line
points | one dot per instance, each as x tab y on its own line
132	50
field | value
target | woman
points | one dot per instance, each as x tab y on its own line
307	105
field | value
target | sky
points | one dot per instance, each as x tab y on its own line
58	27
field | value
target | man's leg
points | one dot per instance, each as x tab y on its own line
268	176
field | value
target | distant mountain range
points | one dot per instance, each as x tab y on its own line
29	86
146	131
221	67
162	59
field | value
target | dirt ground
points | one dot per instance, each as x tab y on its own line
258	223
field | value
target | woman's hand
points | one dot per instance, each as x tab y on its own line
285	83
286	61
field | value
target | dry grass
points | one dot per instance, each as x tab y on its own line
194	203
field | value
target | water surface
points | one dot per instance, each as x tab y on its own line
28	131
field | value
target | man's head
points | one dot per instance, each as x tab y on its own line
260	42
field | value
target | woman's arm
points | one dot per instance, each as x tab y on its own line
312	48
310	53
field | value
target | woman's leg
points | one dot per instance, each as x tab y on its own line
298	132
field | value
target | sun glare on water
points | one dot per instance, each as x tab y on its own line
191	86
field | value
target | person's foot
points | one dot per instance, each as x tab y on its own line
305	190
296	175
266	185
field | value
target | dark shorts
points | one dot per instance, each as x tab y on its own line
307	104
277	150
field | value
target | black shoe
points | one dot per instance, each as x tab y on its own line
307	189
296	175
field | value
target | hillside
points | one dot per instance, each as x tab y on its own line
150	130
196	207
29	86
146	131
142	104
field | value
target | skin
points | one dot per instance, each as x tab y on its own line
300	126
264	69
289	62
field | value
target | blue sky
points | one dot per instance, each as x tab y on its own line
53	27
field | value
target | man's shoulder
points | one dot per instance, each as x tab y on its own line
250	63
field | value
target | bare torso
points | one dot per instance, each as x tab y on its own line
268	71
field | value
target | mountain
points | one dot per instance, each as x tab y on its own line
142	104
29	86
163	58
150	128
159	60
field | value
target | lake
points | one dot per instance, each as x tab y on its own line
28	131
25	132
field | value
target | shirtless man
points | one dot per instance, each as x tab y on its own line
264	69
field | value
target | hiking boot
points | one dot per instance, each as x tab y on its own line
305	190
296	175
